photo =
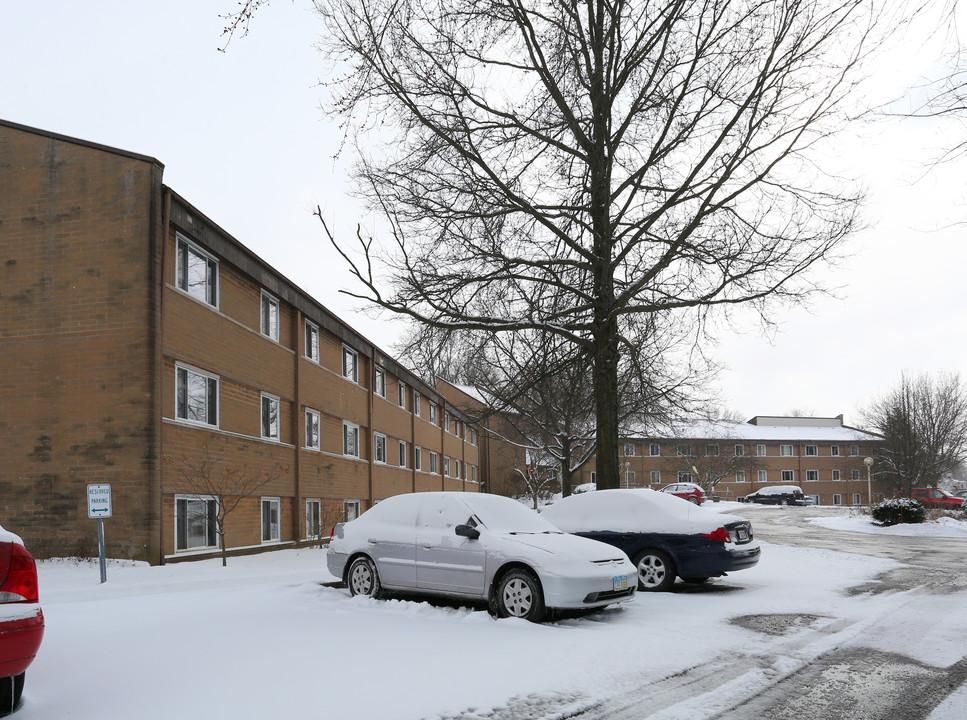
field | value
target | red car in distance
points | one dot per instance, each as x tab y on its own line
21	619
932	497
686	491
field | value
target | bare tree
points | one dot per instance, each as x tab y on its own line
636	157
923	421
217	476
712	455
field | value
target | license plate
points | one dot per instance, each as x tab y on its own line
743	535
621	582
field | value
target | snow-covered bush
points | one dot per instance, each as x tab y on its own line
899	510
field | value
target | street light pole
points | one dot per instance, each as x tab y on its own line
869	482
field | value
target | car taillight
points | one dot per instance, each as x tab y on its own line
720	535
21	582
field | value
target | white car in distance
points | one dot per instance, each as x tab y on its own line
478	547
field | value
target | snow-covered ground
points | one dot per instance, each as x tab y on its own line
264	638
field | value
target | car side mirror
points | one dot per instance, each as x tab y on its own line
467	531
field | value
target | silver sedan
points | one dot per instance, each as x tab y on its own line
480	547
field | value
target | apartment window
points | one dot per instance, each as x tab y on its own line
785	450
195	522
401	395
433	413
197	273
655	477
788	476
739	450
630	478
684	450
740	476
312	342
763	476
417	458
654	449
270	317
473	436
760	450
380	384
854	450
313	420
456	469
446	421
473	473
837	499
402	454
836	476
812	476
350	510
855	475
433	463
270	417
270	519
196	396
834	450
313	519
712	450
350	364
350	439
446	466
416	403
629	449
684	477
594	476
856	499
379	447
812	450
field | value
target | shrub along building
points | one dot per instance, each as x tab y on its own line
144	347
821	455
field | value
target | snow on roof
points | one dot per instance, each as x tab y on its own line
727	430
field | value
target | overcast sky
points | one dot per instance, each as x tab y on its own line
242	137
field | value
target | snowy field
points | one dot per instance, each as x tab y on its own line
264	638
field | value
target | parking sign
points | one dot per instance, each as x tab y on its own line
99	501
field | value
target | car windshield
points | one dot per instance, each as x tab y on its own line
502	514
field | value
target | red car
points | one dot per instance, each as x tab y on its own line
21	619
686	491
936	498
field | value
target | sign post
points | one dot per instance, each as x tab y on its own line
99	506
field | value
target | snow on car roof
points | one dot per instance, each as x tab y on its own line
632	511
7	536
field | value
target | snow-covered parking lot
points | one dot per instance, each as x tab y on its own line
264	638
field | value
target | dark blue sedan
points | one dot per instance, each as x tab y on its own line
665	537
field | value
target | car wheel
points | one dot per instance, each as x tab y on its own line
694	501
10	691
519	595
783	502
656	571
362	578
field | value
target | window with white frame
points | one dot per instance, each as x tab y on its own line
446	466
812	450
857	500
350	510
312	342
416	402
270	417
630	478
350	439
433	413
446	421
763	476
402	454
760	450
401	395
417	457
350	364
433	463
785	450
836	476
855	475
854	450
629	449
740	476
655	477
654	449
837	499
594	476
834	450
195	522
380	383
313	423
684	476
740	450
270	316
788	476
684	450
270	519
196	396
473	436
196	273
473	473
712	450
379	447
313	519
812	476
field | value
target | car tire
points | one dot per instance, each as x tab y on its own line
11	689
783	502
694	501
519	594
656	571
363	579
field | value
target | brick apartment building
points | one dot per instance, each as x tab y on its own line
142	346
821	455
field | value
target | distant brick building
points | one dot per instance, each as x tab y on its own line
821	455
141	344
